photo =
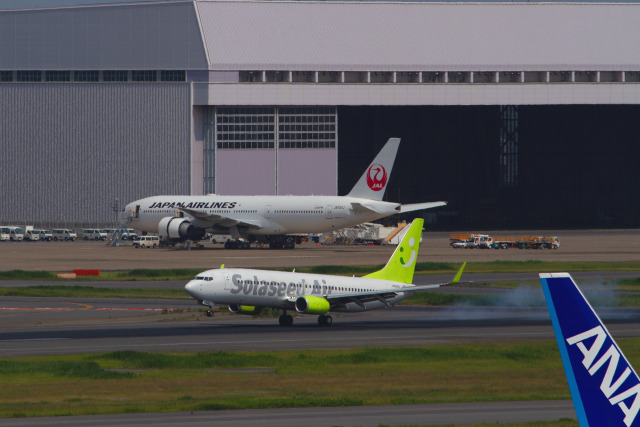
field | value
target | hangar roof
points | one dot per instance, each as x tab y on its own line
324	36
409	36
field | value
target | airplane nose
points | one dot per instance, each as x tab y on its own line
192	289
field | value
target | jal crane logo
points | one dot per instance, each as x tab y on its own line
376	177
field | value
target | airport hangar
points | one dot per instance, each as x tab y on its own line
519	114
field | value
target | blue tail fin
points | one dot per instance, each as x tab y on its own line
604	387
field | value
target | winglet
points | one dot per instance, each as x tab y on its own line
456	279
402	263
604	387
373	182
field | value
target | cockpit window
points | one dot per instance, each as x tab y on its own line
208	279
198	278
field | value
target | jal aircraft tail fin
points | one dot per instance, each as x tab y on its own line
373	182
402	263
604	387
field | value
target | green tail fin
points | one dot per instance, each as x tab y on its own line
402	263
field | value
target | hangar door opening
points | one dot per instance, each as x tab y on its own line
270	150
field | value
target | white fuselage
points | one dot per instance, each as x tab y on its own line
270	214
262	288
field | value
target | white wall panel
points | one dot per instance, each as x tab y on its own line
305	171
246	172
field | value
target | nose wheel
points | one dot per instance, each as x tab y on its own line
325	320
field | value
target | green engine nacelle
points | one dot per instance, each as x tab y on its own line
244	309
312	305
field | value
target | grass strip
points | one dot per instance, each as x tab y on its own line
348	270
129	381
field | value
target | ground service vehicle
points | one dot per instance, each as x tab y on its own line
16	234
485	241
46	235
93	234
63	234
32	235
4	233
146	242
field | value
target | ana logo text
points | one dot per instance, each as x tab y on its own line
608	386
376	177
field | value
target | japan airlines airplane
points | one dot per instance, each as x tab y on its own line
604	386
270	218
247	291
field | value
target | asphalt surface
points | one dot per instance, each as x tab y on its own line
580	245
364	416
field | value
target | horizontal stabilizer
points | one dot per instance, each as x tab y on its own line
365	207
419	206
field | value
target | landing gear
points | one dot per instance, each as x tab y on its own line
210	312
325	320
285	319
236	244
281	242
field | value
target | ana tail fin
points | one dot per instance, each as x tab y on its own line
402	263
373	182
604	387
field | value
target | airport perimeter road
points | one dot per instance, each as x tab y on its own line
364	416
588	245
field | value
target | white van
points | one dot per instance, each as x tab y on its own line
32	235
146	242
5	234
16	234
93	234
63	234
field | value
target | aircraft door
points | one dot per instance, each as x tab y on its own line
136	212
267	211
328	212
227	281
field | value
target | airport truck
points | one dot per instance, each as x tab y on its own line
485	241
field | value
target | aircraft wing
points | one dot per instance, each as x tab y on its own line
385	294
419	206
208	220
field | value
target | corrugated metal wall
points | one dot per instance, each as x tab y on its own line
68	150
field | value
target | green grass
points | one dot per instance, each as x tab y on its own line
348	270
130	381
27	275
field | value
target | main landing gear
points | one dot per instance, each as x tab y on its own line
286	319
236	244
325	320
281	242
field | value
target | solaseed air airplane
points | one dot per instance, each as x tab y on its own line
604	386
248	291
270	218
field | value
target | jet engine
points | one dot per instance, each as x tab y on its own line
179	229
244	309
312	305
